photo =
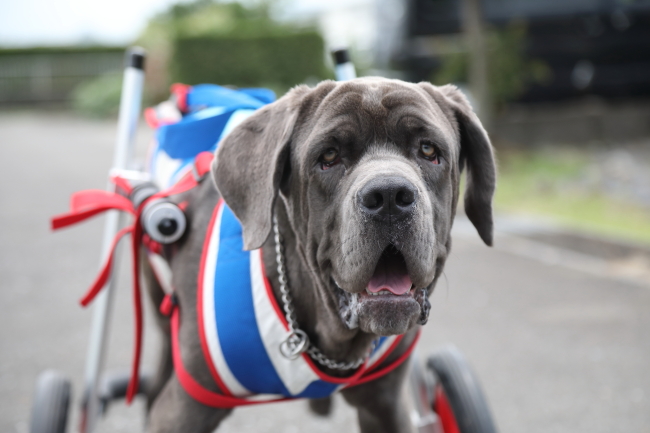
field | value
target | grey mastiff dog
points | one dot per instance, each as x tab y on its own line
363	177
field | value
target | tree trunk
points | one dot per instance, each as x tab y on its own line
474	29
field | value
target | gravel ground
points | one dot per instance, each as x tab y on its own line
557	348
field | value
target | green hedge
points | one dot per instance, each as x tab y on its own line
277	61
61	50
49	74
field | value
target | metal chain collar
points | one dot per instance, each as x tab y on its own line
298	342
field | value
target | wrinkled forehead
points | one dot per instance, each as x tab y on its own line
376	108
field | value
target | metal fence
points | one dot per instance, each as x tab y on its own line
41	76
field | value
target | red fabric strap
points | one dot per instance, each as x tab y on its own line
151	118
132	389
167	305
151	245
203	162
122	184
180	91
86	204
192	387
105	270
376	374
213	399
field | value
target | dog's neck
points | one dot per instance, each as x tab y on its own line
315	303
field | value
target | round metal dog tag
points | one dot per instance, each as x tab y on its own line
295	344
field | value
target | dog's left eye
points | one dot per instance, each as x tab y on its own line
429	152
329	158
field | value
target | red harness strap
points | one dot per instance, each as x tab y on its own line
86	204
213	399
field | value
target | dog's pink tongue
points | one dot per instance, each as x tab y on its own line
390	275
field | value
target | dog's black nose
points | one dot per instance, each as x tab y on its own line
389	197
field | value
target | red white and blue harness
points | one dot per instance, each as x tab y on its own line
234	294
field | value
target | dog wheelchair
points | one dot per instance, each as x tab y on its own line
445	394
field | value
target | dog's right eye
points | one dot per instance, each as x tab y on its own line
329	158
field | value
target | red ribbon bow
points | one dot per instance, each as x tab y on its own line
88	203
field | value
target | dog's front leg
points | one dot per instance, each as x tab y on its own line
380	403
176	412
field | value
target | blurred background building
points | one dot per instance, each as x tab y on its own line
586	46
534	52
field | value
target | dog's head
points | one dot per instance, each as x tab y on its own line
369	172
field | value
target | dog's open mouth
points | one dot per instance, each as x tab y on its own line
391	275
390	304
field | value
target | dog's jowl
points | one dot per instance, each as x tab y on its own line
344	195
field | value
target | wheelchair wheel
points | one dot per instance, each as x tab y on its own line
51	402
459	401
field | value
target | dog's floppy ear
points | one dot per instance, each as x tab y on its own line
476	152
250	161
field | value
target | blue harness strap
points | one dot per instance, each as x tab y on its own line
211	107
209	113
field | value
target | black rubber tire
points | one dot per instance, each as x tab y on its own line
463	391
51	403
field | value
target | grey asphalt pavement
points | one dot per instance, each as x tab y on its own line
558	348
